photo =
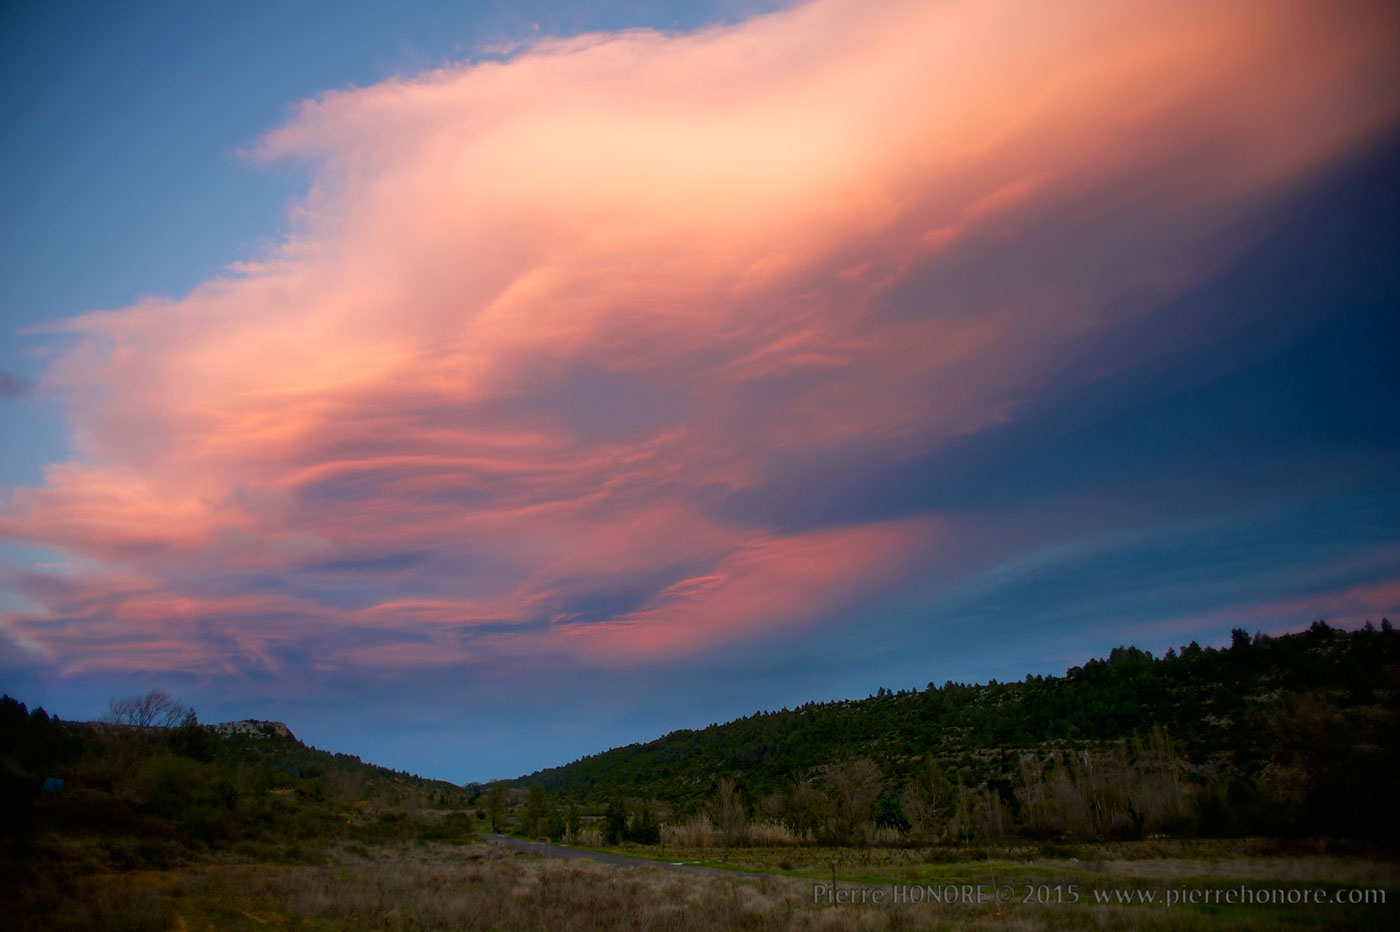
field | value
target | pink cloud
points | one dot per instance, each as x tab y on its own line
538	314
767	582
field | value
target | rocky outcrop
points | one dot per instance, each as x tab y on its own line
252	728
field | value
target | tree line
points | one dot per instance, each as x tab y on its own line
1275	735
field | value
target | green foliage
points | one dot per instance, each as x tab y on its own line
496	807
615	823
534	815
556	828
889	813
193	741
644	829
1291	733
156	796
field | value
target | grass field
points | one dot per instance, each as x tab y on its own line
474	884
1250	859
1040	884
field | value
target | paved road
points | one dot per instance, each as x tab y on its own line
616	860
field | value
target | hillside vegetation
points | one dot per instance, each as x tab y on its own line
1271	735
82	800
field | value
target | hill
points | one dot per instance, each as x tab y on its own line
126	796
1276	734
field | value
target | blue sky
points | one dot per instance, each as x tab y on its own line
581	391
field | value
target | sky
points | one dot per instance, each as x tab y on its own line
478	386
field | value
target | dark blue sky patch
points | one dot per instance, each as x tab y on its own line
389	563
1301	390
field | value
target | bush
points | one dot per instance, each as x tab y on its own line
194	741
644	830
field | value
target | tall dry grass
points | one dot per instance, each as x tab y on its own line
487	887
772	834
699	832
883	835
695	832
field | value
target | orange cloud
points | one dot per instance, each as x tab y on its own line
540	316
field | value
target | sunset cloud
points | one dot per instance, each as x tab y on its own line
543	321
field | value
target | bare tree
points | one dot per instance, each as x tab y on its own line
926	802
156	709
988	814
854	786
808	809
773	806
730	811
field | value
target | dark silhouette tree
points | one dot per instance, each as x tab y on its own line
615	823
155	709
496	807
534	819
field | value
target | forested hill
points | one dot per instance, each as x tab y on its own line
1235	709
153	795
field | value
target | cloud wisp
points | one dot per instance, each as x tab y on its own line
542	318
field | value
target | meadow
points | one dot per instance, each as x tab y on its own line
475	884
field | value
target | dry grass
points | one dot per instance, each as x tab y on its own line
883	836
699	832
483	886
695	832
1349	871
771	835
